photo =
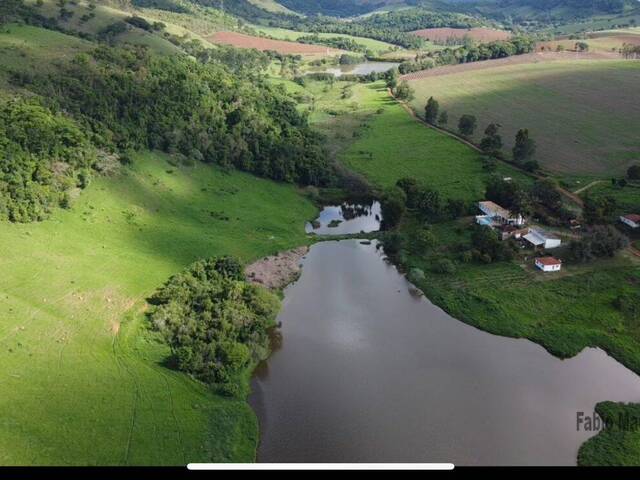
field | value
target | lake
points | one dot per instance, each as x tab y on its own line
367	371
347	218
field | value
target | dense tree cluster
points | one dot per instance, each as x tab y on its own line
132	99
599	210
214	321
42	156
470	53
599	241
341	43
409	20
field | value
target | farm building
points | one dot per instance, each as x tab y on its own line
542	239
632	220
512	231
495	215
548	264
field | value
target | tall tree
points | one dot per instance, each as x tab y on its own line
524	148
431	110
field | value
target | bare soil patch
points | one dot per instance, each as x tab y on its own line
241	40
277	271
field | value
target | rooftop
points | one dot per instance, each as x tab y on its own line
488	205
548	261
634	217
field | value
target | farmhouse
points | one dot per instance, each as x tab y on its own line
495	215
542	239
548	264
632	220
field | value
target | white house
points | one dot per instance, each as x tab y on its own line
540	238
548	264
632	220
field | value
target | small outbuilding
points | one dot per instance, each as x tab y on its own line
632	220
548	264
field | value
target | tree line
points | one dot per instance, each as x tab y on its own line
468	53
524	147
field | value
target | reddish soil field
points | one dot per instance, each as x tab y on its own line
439	35
513	60
247	41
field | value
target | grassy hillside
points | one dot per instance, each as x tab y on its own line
272	6
581	113
30	49
84	380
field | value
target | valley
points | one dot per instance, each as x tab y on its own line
140	138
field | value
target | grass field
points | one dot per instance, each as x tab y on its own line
582	113
627	198
394	145
83	379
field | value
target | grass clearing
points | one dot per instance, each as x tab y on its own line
394	145
84	381
582	113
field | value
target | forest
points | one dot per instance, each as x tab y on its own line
127	98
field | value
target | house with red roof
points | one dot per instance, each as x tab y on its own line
632	220
548	264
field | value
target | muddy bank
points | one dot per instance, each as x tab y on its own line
277	271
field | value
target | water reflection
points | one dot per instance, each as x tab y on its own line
371	373
364	68
347	219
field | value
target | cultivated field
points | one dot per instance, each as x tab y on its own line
241	40
83	379
598	42
439	35
583	113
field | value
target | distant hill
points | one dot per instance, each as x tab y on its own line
343	8
531	9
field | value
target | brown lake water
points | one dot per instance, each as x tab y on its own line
365	371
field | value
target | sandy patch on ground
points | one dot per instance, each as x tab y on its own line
277	271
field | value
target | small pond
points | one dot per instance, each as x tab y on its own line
347	218
364	68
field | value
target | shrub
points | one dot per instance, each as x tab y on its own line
444	266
